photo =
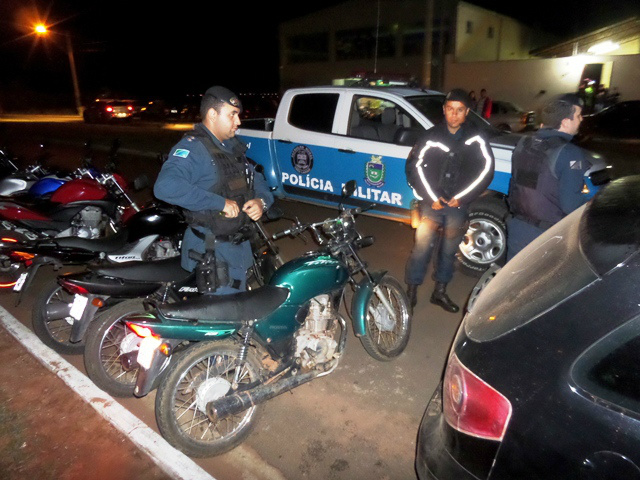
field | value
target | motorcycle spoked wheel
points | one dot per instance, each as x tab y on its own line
107	338
387	330
204	373
51	320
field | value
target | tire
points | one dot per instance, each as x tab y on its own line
106	339
486	277
385	337
181	418
55	329
485	242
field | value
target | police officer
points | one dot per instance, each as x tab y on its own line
448	168
208	175
547	174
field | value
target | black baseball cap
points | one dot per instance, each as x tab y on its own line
459	95
224	94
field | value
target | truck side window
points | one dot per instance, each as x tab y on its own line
377	119
314	111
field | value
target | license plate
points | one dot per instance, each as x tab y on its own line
20	282
148	347
78	306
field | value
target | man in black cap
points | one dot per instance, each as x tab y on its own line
448	168
208	175
547	174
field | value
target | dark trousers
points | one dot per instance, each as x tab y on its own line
447	225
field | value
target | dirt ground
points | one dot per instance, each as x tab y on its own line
47	432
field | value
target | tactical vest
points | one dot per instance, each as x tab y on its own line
232	184
534	188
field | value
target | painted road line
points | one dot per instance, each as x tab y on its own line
174	463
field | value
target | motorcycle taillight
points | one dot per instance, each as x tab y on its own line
471	405
72	287
139	330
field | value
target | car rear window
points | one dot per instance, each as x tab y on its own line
610	369
547	272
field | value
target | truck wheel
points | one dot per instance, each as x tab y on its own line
486	239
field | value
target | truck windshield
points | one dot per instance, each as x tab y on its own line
431	107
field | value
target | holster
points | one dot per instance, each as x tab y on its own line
210	272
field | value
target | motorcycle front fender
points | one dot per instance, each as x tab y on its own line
146	379
360	301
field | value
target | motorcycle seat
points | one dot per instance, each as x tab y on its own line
234	308
109	244
164	271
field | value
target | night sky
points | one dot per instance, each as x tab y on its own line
139	48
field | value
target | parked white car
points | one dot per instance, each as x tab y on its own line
509	117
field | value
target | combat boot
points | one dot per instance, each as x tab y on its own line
439	297
412	295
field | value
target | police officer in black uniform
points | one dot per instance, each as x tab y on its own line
448	168
208	175
547	174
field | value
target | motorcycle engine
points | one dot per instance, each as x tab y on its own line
162	249
88	223
315	342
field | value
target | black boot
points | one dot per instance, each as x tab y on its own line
412	294
439	297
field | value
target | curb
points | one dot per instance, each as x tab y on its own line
172	462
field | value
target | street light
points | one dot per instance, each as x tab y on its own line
41	30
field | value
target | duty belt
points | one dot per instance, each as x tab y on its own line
220	238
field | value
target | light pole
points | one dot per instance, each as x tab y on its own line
42	30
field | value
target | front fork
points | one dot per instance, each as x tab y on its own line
361	301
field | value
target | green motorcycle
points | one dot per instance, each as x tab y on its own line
252	346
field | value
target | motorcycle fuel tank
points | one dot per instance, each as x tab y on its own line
45	185
310	275
11	185
79	189
153	221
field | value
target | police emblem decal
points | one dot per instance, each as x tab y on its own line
302	159
181	152
374	171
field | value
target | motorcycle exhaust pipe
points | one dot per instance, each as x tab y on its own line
236	403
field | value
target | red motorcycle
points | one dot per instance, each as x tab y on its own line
91	205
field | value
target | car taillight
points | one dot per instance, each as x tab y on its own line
109	109
471	405
130	108
72	287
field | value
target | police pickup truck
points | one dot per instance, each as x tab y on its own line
321	137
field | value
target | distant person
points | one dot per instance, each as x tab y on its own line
473	101
547	174
484	105
208	175
448	168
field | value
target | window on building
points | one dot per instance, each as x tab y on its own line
308	48
490	32
469	26
314	111
361	43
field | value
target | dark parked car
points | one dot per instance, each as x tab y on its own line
543	377
621	120
508	117
107	110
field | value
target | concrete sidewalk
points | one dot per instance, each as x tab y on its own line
49	430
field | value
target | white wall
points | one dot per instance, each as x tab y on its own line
521	81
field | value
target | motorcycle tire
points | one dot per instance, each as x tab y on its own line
54	328
181	399
386	337
106	338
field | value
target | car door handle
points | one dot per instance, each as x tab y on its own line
285	141
345	150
